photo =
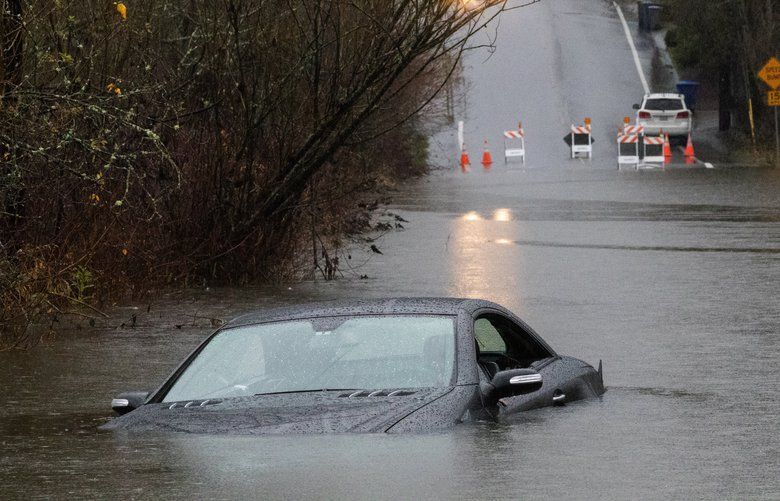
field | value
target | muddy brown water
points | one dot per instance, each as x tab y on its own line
678	299
671	277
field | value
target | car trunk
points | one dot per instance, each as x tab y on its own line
663	116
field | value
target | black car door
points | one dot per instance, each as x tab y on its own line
503	344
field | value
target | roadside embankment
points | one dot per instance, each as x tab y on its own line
723	47
204	143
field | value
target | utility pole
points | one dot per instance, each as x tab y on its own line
777	141
724	97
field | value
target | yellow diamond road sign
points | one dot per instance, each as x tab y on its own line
771	73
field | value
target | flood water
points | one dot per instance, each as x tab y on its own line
671	277
678	298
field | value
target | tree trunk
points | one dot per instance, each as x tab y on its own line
12	45
724	98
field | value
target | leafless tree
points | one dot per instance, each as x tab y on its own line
177	140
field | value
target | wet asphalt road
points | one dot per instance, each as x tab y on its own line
671	277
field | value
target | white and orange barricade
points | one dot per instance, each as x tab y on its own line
581	140
628	139
514	144
628	149
633	129
653	150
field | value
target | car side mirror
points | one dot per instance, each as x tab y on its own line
637	107
513	382
129	401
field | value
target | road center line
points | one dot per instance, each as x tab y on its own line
633	48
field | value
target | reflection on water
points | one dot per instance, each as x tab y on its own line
472	216
479	255
503	215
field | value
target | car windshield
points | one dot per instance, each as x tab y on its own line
665	104
365	352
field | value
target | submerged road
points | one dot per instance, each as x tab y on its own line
555	64
671	277
566	62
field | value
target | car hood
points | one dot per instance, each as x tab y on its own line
296	413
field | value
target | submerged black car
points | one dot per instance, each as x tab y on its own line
395	365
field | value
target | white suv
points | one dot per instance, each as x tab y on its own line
664	112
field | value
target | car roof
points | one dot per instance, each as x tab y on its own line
390	306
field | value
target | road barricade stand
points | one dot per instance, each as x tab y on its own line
581	141
654	150
628	140
633	129
514	144
628	149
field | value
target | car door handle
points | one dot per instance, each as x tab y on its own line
559	398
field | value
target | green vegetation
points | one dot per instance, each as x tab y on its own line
726	42
154	142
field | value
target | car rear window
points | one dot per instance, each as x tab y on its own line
664	104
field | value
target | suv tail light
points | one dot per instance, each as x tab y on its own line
683	114
644	114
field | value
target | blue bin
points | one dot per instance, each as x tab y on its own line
641	8
689	89
653	19
649	15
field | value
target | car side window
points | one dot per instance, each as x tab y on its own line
488	338
504	343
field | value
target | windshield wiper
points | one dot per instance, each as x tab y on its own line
306	391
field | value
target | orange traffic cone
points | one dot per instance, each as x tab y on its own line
464	160
667	149
487	158
690	156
